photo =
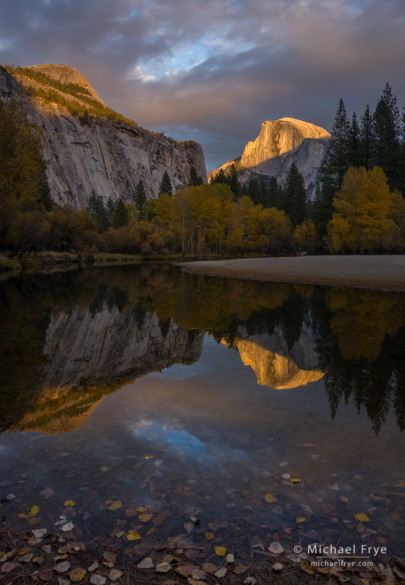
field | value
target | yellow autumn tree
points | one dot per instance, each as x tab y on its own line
364	213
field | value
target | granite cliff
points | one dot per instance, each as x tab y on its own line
278	145
94	153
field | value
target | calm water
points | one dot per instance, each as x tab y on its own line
234	412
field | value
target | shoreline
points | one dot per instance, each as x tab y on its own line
384	272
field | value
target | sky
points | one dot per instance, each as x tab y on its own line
214	70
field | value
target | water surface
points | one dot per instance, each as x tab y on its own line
240	411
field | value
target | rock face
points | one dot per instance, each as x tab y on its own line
274	365
98	155
91	355
279	144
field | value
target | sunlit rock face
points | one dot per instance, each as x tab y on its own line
91	355
99	156
277	367
279	144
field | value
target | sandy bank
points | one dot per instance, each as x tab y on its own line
374	272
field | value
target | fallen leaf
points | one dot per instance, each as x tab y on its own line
269	498
115	505
209	568
276	548
8	566
343	499
109	556
146	563
62	567
220	551
158	520
362	517
77	575
34	510
133	535
39	532
145	517
67	527
209	535
300	519
115	574
220	573
45	574
401	482
198	575
148	456
69	503
296	480
186	570
97	579
240	569
163	567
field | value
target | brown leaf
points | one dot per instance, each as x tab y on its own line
239	569
8	566
186	570
110	557
45	574
131	512
158	520
209	568
145	517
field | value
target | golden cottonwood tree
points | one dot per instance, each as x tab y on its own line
364	213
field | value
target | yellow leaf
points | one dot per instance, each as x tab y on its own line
115	505
296	480
145	517
220	551
151	531
300	519
209	535
142	509
34	510
343	499
69	503
22	515
133	535
334	519
148	456
24	551
269	498
362	517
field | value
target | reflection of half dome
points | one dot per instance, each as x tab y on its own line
272	369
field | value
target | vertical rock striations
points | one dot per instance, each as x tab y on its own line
94	154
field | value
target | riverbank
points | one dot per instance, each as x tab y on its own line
385	272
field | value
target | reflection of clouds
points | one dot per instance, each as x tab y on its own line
181	442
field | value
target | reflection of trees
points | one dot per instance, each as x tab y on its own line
360	342
359	334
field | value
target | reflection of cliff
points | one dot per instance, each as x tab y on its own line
89	356
277	367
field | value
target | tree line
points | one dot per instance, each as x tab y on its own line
358	205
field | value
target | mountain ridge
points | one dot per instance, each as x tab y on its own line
278	144
91	149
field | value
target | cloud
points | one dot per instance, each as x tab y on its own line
217	68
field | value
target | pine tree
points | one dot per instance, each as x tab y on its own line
194	180
165	184
140	198
254	191
120	216
233	182
274	194
98	212
387	131
295	196
367	140
354	143
334	166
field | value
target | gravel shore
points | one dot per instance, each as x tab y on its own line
385	272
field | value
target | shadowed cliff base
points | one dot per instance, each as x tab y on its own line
372	272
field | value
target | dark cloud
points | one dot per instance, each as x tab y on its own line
214	70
